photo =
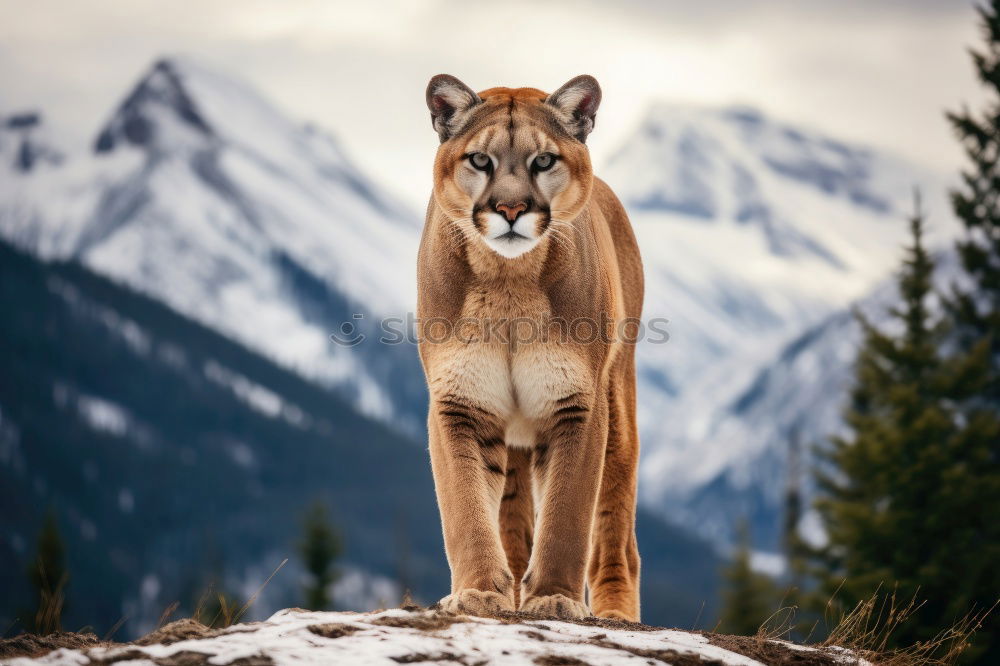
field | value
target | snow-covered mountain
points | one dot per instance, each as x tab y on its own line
751	231
792	404
174	459
201	193
753	234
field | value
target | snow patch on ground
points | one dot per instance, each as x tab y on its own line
390	637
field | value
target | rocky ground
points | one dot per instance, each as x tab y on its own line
413	636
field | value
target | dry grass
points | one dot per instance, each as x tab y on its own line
48	617
228	611
167	612
256	594
866	631
779	625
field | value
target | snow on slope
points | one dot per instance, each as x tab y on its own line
400	636
24	144
752	232
201	193
796	398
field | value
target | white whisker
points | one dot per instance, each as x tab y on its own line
563	231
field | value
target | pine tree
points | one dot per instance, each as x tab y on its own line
795	580
749	598
320	548
792	544
48	575
899	504
974	304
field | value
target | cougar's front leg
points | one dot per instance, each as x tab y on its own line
567	463
517	515
613	572
468	458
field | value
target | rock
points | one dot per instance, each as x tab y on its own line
408	636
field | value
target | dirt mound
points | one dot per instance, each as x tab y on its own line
30	645
412	635
181	630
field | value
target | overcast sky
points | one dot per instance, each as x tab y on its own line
880	72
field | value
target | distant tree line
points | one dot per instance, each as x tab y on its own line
320	548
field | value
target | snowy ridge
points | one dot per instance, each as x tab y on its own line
182	445
403	636
201	193
795	399
753	232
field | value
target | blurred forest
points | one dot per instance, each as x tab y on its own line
908	499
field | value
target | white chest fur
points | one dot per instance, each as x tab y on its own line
520	386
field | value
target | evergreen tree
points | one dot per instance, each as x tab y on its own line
795	549
48	575
976	305
792	543
320	548
749	598
900	502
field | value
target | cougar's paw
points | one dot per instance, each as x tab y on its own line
555	605
476	602
615	615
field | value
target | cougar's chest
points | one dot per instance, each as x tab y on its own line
504	359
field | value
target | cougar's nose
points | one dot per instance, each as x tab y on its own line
511	210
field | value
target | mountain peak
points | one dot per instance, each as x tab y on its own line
689	151
160	91
22	135
182	105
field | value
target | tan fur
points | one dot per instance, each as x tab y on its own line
533	446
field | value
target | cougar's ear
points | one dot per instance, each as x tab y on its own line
449	99
577	102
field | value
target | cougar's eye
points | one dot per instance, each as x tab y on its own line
543	162
481	161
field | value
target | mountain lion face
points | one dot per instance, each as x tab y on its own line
512	167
